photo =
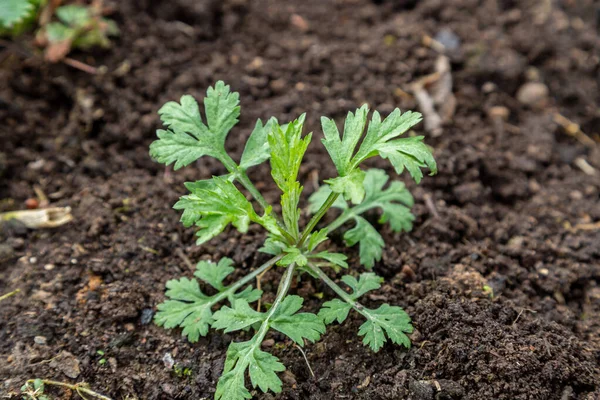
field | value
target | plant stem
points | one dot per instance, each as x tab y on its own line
242	177
247	183
7	295
317	217
341	220
234	288
284	287
350	213
78	387
338	290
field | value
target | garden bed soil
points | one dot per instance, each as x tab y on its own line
500	273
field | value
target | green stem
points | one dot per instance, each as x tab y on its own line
341	220
7	295
242	177
317	217
252	275
78	387
339	291
247	183
284	287
350	213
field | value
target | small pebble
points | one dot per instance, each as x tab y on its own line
168	388
499	112
40	340
49	267
147	314
533	94
268	343
449	39
576	195
6	252
17	243
31	204
168	360
129	327
32	260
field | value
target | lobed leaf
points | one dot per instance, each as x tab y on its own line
214	206
13	12
341	150
380	139
297	326
337	259
350	186
366	282
287	150
371	243
188	138
257	147
262	367
240	316
191	309
335	309
390	321
214	274
394	201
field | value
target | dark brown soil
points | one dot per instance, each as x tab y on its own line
510	198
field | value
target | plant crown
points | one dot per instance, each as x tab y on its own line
216	203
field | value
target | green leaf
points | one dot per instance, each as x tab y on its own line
293	255
188	308
297	326
371	242
57	32
316	238
318	198
257	147
273	246
390	321
188	138
191	309
241	316
366	282
214	274
342	150
406	152
74	15
262	366
350	186
212	208
13	12
338	310
334	258
222	110
410	153
335	309
287	150
244	356
395	202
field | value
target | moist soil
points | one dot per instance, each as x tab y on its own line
500	273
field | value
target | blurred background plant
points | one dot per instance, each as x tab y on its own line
58	28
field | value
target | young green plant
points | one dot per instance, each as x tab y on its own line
214	204
75	26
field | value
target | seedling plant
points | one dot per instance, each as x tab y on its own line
75	26
214	204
